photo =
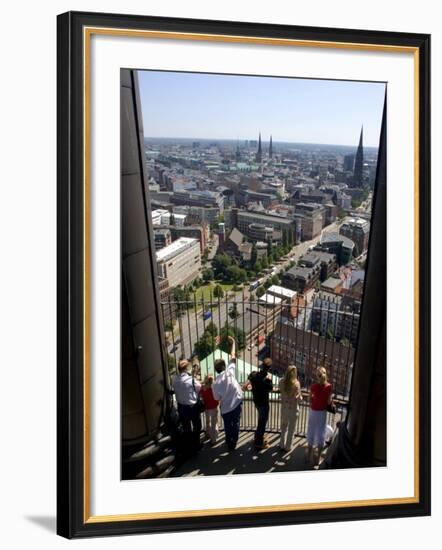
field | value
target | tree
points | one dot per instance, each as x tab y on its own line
205	256
267	283
172	220
254	256
208	275
204	346
276	280
182	297
207	343
233	312
211	329
258	266
270	249
260	291
264	262
220	263
235	274
237	333
218	291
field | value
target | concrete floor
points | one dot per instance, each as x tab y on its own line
217	460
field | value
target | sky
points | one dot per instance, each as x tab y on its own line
197	105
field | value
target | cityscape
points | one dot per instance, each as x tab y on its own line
263	240
252	231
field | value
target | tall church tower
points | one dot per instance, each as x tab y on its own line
259	152
359	162
271	148
238	152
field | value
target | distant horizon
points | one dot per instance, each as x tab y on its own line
292	110
263	141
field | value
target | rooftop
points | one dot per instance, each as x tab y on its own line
335	238
281	291
175	248
270	299
332	283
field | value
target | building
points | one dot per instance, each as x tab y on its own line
261	223
331	213
337	244
245	196
289	299
301	278
336	317
180	262
326	260
349	162
344	201
193	232
157	215
358	177
164	217
290	345
312	219
258	157
168	306
162	236
198	215
234	245
333	285
261	232
205	199
358	230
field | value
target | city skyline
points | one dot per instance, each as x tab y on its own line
233	107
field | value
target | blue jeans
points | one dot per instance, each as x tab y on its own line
231	426
263	416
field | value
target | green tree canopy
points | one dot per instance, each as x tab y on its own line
208	275
237	333
220	263
260	291
218	291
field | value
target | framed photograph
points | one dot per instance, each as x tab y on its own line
243	274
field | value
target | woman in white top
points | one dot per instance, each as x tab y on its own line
290	389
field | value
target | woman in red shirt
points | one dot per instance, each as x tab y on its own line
210	409
320	398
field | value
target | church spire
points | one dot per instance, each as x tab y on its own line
259	152
271	148
359	162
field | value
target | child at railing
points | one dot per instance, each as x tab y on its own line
210	409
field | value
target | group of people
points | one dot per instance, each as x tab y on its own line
225	394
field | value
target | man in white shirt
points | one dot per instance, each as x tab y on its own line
186	389
228	392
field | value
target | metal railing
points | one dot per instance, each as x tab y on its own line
289	332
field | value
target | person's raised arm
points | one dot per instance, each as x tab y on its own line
232	343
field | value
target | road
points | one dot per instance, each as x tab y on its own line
191	325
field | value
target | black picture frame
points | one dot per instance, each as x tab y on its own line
72	516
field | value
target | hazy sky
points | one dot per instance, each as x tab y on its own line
297	110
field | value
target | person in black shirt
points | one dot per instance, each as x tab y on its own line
260	382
